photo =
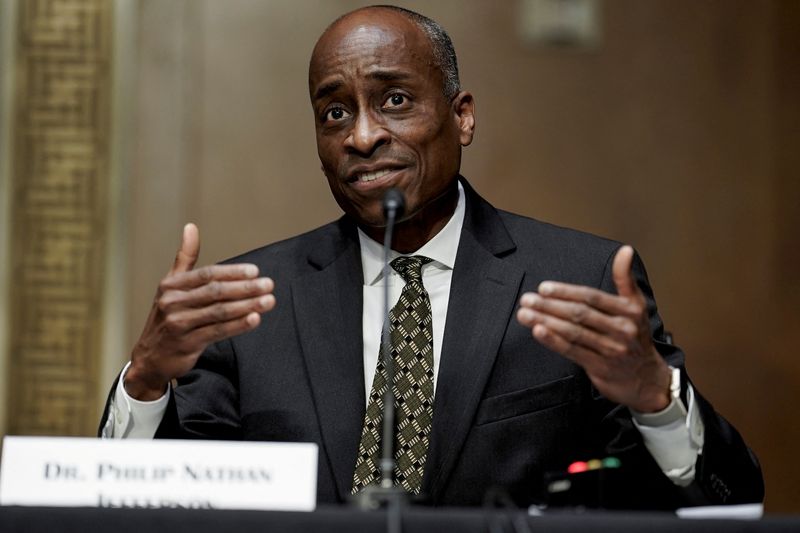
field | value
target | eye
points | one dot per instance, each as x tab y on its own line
335	114
395	100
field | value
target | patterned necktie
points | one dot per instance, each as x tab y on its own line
411	337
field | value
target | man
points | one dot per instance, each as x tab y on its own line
528	347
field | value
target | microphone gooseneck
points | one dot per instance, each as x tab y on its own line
393	206
394	497
385	493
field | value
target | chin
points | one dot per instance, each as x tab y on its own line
368	219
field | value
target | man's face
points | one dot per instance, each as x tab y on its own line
382	119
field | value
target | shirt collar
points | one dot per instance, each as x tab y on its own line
441	248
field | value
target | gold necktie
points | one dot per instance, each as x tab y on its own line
411	335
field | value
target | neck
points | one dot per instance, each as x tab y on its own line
413	231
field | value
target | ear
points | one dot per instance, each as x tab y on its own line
464	110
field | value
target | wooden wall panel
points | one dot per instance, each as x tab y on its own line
58	214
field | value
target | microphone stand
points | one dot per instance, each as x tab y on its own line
386	493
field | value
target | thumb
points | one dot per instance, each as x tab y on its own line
621	272
189	251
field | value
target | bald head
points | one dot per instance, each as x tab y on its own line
442	54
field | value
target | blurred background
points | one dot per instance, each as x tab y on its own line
670	125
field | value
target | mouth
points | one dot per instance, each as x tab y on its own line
369	179
366	177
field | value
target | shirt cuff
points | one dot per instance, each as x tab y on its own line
129	418
675	435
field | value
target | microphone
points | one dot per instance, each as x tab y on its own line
385	493
393	206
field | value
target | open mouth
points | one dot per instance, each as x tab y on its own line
369	179
365	177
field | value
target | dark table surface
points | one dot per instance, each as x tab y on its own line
334	519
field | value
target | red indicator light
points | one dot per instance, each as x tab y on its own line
578	466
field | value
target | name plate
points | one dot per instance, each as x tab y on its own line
82	472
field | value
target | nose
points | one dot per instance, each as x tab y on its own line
368	134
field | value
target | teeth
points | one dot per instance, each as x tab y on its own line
371	176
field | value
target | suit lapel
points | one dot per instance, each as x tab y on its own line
328	306
483	294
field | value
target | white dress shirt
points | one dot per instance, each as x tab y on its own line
674	436
436	277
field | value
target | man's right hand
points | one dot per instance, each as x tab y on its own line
192	309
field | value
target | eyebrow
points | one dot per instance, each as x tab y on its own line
326	89
380	75
385	75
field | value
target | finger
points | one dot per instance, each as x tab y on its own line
577	335
208	274
215	291
582	314
222	330
562	346
621	272
189	251
219	313
610	304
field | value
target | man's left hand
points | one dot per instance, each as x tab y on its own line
606	334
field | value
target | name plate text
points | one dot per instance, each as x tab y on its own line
83	472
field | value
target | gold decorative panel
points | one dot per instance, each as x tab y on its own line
59	213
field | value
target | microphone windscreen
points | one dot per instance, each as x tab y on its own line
393	201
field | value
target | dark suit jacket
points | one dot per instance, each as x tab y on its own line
507	410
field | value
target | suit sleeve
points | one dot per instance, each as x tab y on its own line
205	403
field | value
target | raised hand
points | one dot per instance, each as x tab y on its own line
192	309
606	334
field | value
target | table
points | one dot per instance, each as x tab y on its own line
344	519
